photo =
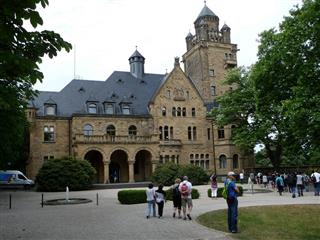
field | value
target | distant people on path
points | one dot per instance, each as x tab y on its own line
185	189
265	180
150	192
300	184
251	182
315	178
232	202
176	198
160	199
241	176
292	183
214	186
280	184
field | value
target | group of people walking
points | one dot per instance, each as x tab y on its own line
181	196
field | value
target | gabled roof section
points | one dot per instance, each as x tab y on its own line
72	101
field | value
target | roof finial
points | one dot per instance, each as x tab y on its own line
136	47
205	2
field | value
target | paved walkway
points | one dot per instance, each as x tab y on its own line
111	220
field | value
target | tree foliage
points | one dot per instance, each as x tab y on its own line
20	55
277	101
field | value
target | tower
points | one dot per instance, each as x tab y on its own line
136	62
209	54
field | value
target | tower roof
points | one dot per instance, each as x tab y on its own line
206	12
136	54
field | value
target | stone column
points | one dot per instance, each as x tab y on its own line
154	165
131	171
106	171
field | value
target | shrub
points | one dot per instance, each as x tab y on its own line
56	174
132	196
195	194
168	172
139	196
219	193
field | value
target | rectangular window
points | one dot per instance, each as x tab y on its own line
48	132
125	109
209	133
193	112
221	133
109	109
211	72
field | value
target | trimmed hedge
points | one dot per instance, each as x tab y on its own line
167	173
139	196
56	174
219	193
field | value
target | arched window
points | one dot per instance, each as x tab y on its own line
189	133
235	161
179	111
194	132
160	133
92	108
191	156
174	112
87	130
164	111
171	132
111	130
184	112
166	132
222	161
132	130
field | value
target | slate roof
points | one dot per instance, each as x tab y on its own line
206	12
120	87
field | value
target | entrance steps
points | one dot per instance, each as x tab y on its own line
120	185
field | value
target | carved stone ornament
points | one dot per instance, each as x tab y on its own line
178	94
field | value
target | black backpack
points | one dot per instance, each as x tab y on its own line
176	192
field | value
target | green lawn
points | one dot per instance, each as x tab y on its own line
270	222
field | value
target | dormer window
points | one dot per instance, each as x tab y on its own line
50	110
109	108
125	109
92	108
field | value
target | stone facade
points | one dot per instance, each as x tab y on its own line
133	121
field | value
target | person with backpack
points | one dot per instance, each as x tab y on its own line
231	197
176	198
160	199
214	186
185	189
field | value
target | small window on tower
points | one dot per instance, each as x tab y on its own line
211	72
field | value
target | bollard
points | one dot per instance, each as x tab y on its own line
9	201
97	199
42	200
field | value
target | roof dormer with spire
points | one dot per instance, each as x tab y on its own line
136	62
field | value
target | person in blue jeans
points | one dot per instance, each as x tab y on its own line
232	202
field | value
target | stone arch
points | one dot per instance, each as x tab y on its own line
119	148
118	167
143	164
96	159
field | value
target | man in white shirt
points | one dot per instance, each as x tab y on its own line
316	175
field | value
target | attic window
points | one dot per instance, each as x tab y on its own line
132	96
113	95
92	108
50	110
143	81
119	80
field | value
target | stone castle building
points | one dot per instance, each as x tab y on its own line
127	125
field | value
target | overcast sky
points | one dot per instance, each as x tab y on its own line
104	33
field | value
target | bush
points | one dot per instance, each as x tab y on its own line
132	196
195	194
56	174
168	172
219	193
139	196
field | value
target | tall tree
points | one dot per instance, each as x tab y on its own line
20	55
284	90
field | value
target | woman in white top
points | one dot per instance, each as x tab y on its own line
150	192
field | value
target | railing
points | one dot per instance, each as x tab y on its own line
80	138
171	142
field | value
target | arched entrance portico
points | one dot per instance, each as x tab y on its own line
118	168
96	160
142	166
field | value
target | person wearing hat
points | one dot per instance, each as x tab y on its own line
232	201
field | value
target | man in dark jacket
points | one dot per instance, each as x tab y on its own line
292	183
